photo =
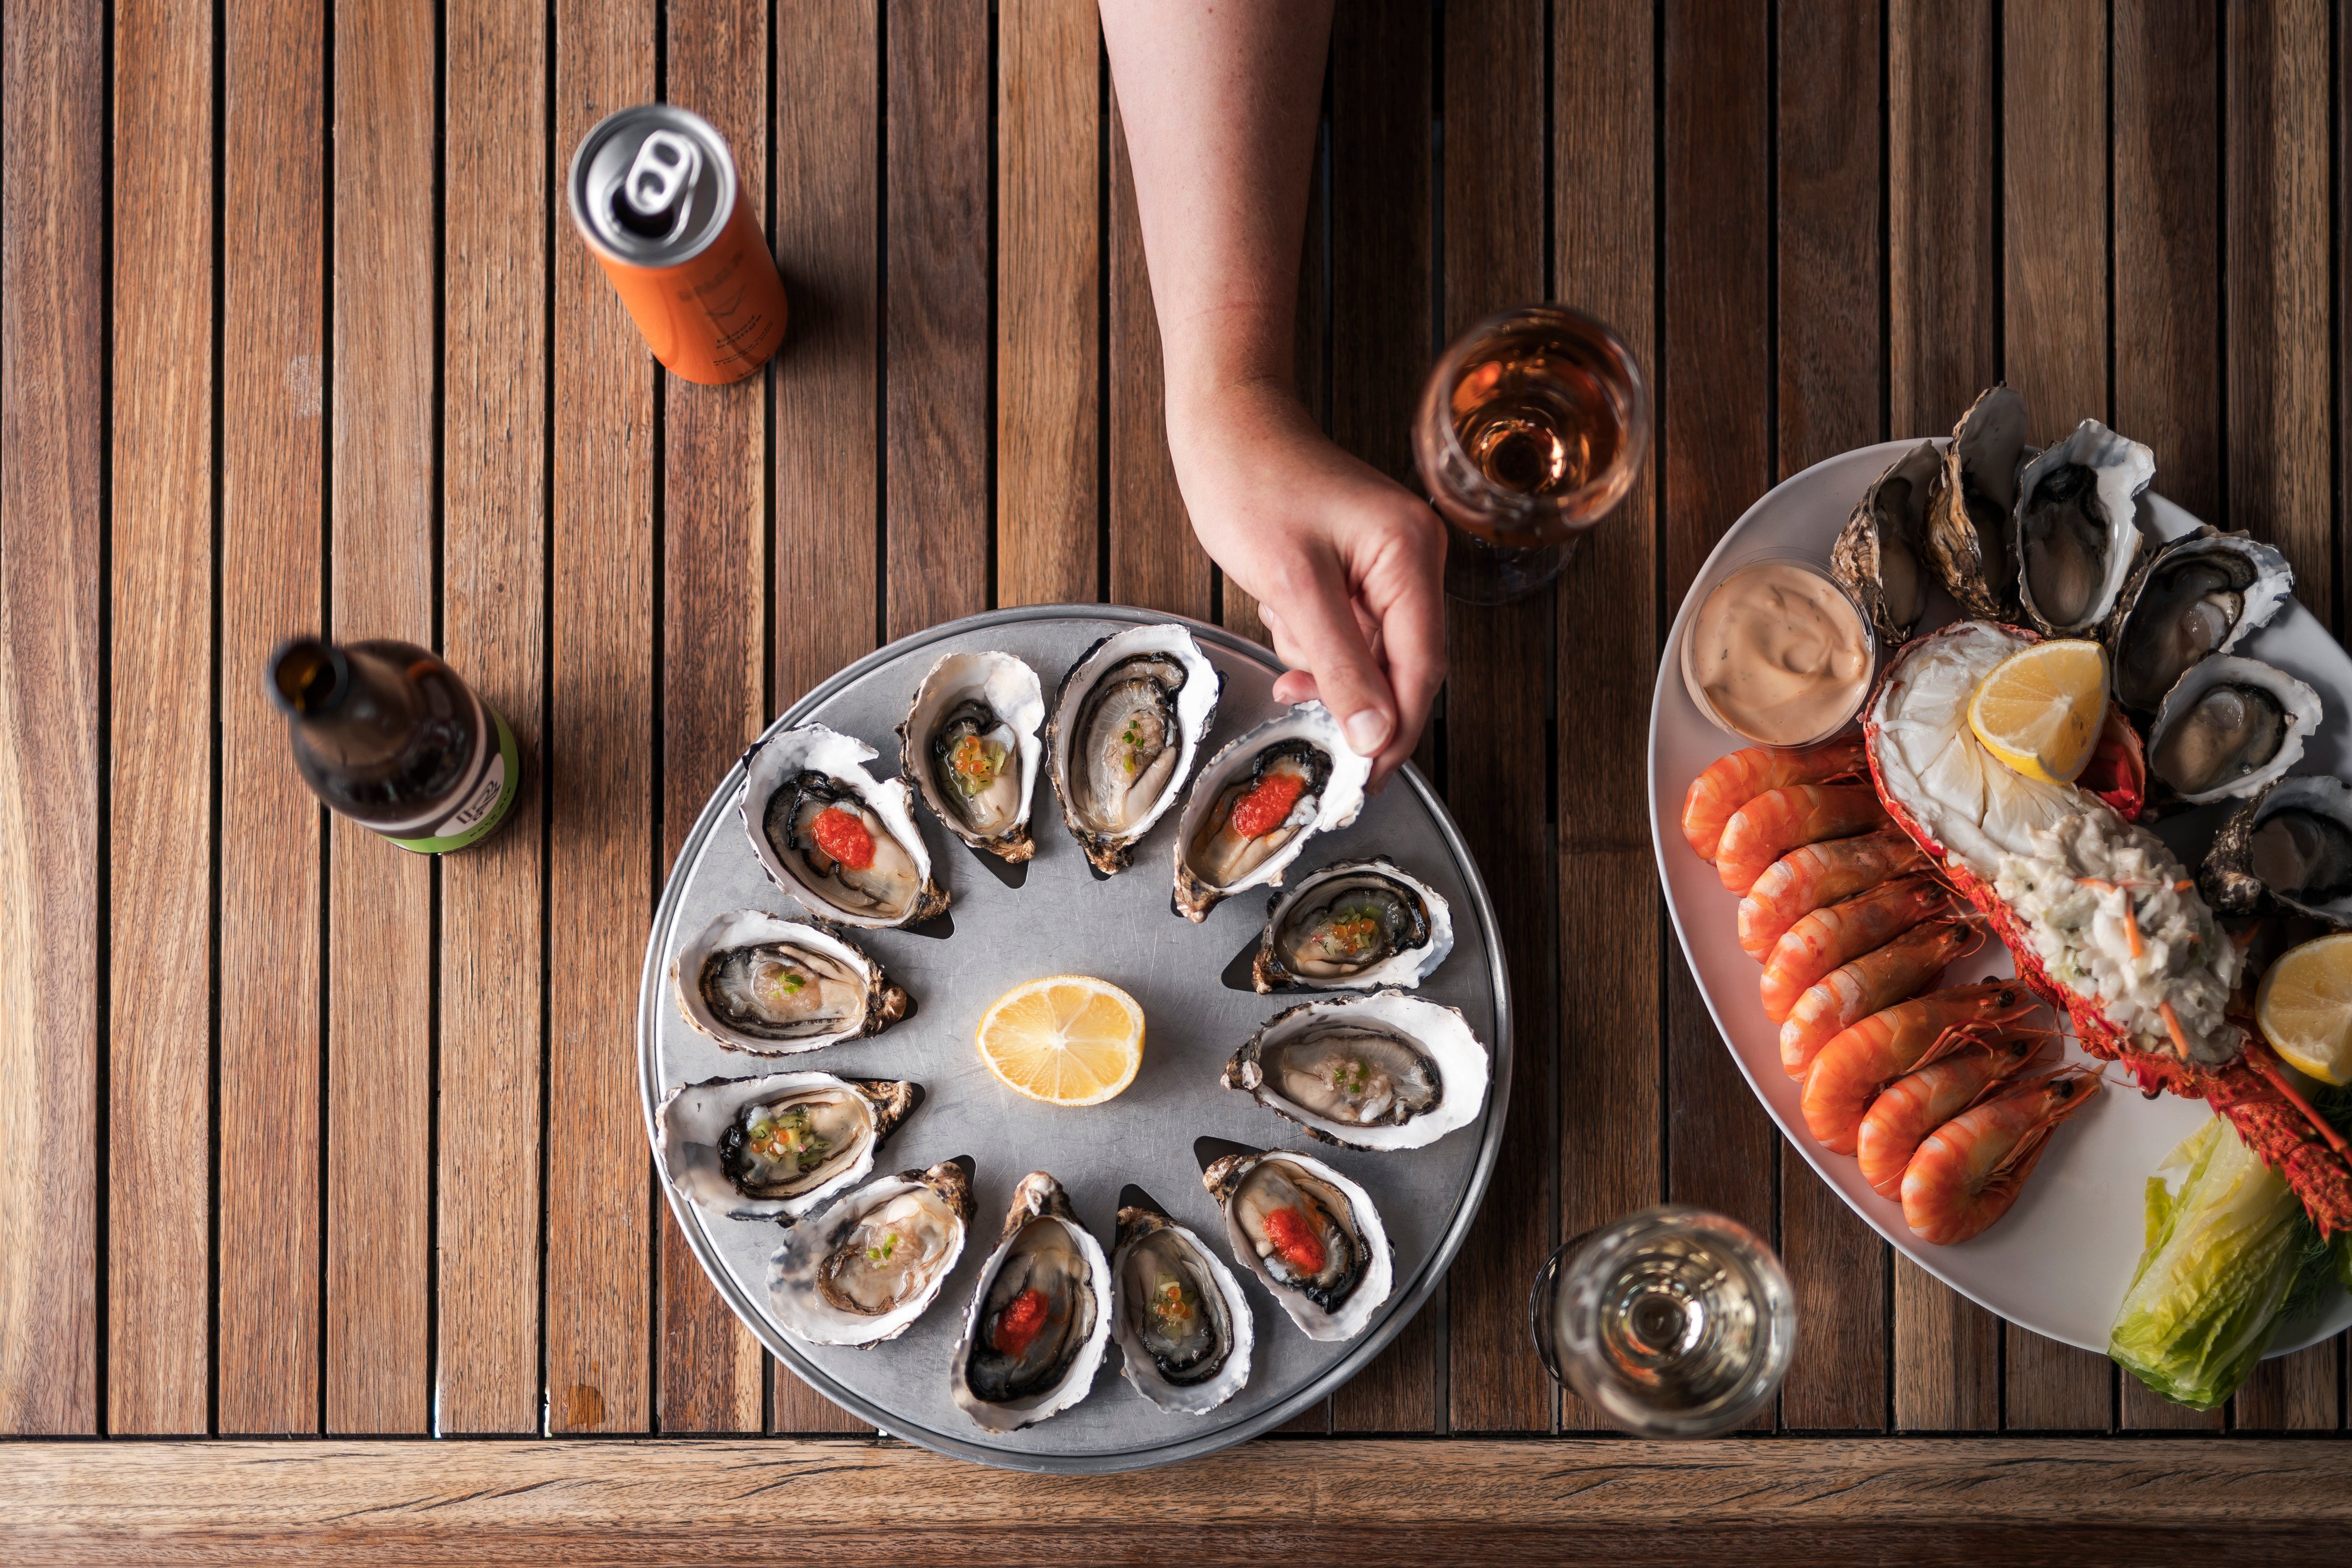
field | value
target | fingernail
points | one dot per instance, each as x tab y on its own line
1368	731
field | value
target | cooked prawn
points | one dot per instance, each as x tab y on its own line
1969	1170
1814	875
1844	997
1952	1077
1730	782
1844	932
1778	820
1850	1071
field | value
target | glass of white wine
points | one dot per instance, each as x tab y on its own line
1672	1322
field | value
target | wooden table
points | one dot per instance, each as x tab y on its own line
309	1137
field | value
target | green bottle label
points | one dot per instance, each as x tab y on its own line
486	804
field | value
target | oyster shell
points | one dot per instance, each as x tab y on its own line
754	981
2293	841
2228	728
1040	1316
970	743
2077	532
1353	925
1328	1264
1299	763
1128	719
1184	1328
1383	1072
776	1148
808	784
2197	596
1881	554
1969	518
866	1267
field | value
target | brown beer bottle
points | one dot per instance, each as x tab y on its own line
387	735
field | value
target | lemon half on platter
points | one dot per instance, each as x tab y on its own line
1067	1039
2040	710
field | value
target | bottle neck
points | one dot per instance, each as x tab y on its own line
355	709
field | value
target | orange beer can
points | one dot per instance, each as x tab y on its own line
654	194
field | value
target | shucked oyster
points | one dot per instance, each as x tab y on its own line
1040	1316
1383	1072
970	743
1128	720
2292	842
1968	519
1353	925
2228	728
754	981
865	1269
2199	595
1881	554
1259	800
2077	533
1183	1326
1310	1236
834	836
776	1148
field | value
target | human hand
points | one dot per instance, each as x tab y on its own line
1346	566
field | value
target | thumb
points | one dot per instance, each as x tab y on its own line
1323	627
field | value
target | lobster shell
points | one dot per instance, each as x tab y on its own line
2270	1124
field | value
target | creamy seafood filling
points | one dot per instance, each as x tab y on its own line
2113	916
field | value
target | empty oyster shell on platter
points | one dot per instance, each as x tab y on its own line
834	836
1040	1317
1355	925
970	742
2077	530
2197	596
776	1147
1881	554
1259	802
1383	1072
757	982
1969	518
864	1269
2291	843
1183	1327
1128	720
2228	728
1311	1237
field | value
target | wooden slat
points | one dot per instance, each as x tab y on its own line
1604	145
1827	1502
273	238
380	905
1718	456
53	310
1380	223
1831	362
714	654
826	486
494	490
1155	562
2054	271
1499	699
158	1110
936	325
2298	1393
1048	280
1944	325
600	795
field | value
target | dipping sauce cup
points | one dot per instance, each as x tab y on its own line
1778	653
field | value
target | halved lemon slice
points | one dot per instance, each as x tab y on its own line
2304	1008
1067	1039
2041	708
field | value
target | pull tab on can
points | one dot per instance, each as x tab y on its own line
656	194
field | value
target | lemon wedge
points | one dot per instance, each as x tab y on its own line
1067	1039
2304	1008
2041	708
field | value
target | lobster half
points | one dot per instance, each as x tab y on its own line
1966	810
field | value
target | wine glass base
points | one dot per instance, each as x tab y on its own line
1478	572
